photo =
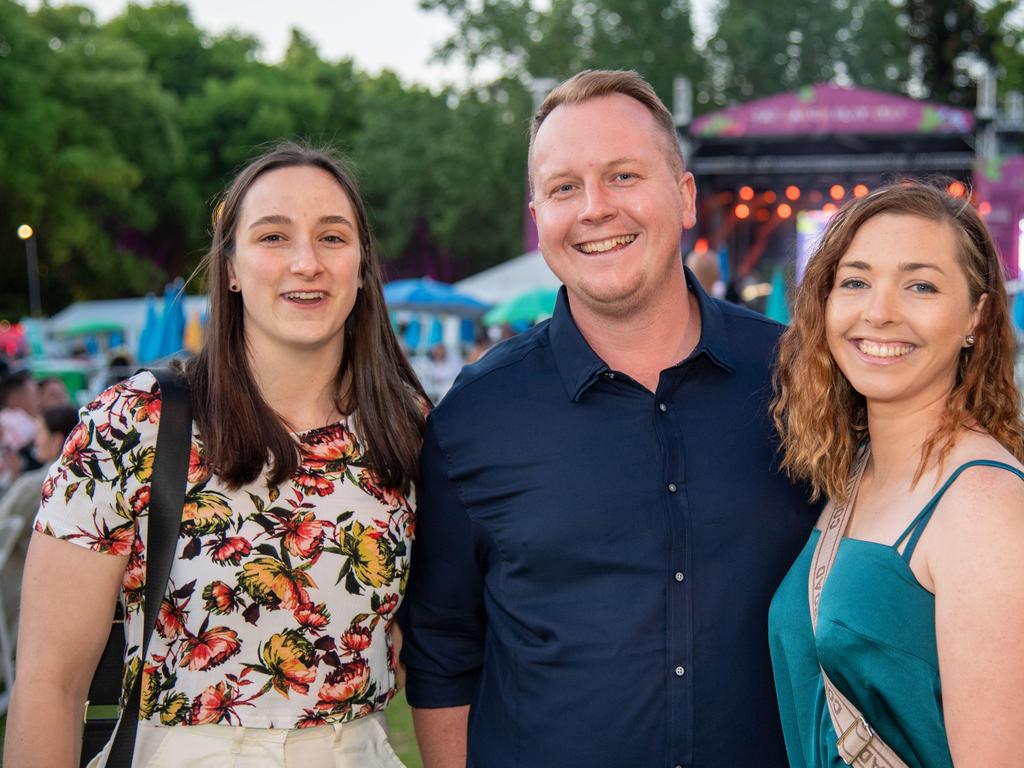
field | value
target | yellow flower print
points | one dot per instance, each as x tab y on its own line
373	560
272	583
289	658
205	512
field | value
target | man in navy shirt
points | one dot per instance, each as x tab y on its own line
601	521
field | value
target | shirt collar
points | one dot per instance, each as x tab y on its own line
579	366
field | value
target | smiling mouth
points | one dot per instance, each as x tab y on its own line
305	297
603	246
884	349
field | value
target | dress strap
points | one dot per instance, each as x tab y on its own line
920	522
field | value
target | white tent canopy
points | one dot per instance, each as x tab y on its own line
510	279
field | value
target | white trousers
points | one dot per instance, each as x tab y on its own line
361	743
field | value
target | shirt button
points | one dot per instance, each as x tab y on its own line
672	488
680	671
662	407
679	576
609	375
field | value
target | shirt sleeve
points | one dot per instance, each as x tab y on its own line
99	485
442	617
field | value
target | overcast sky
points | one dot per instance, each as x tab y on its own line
379	34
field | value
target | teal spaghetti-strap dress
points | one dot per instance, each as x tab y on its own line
875	639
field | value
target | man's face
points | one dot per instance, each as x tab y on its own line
609	206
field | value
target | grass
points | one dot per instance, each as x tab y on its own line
399	723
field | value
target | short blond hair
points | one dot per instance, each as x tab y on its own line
595	83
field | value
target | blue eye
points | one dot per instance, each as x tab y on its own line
853	282
923	288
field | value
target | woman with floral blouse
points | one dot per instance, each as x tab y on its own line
273	643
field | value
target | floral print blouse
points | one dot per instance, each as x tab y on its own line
280	599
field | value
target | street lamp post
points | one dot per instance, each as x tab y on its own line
32	263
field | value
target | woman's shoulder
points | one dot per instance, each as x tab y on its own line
136	398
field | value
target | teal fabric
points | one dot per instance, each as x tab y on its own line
875	639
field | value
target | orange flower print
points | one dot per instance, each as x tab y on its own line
47	489
220	598
289	658
343	684
170	620
312	616
326	447
310	483
145	406
272	583
356	639
303	535
214	704
389	497
310	719
230	551
76	448
212	647
386	605
114	541
198	469
139	501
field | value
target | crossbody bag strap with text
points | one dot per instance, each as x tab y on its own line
858	744
166	501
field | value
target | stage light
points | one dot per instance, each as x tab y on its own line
701	246
860	190
829	208
746	193
769	196
984	208
793	192
956	189
784	210
742	211
837	191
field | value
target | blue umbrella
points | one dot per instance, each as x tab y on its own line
425	295
173	320
149	338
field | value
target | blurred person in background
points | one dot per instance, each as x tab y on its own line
273	646
52	392
896	400
19	407
22	499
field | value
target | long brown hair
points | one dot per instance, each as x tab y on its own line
240	431
822	419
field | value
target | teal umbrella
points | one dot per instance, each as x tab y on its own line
777	308
529	307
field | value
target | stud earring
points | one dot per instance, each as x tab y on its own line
970	339
233	287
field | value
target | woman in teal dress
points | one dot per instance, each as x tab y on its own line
896	401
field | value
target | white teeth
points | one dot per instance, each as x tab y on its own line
600	246
305	295
877	349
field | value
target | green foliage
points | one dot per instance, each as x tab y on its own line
117	137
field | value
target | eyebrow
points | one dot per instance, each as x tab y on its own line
904	266
563	172
276	218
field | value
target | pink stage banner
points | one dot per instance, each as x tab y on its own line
831	109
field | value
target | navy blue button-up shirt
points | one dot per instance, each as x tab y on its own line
593	562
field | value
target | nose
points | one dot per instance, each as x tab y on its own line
882	306
598	206
305	259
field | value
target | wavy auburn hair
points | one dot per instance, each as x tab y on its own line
822	420
240	430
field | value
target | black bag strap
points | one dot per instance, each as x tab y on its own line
166	501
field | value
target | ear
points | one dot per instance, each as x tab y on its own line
979	310
688	198
533	211
231	272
